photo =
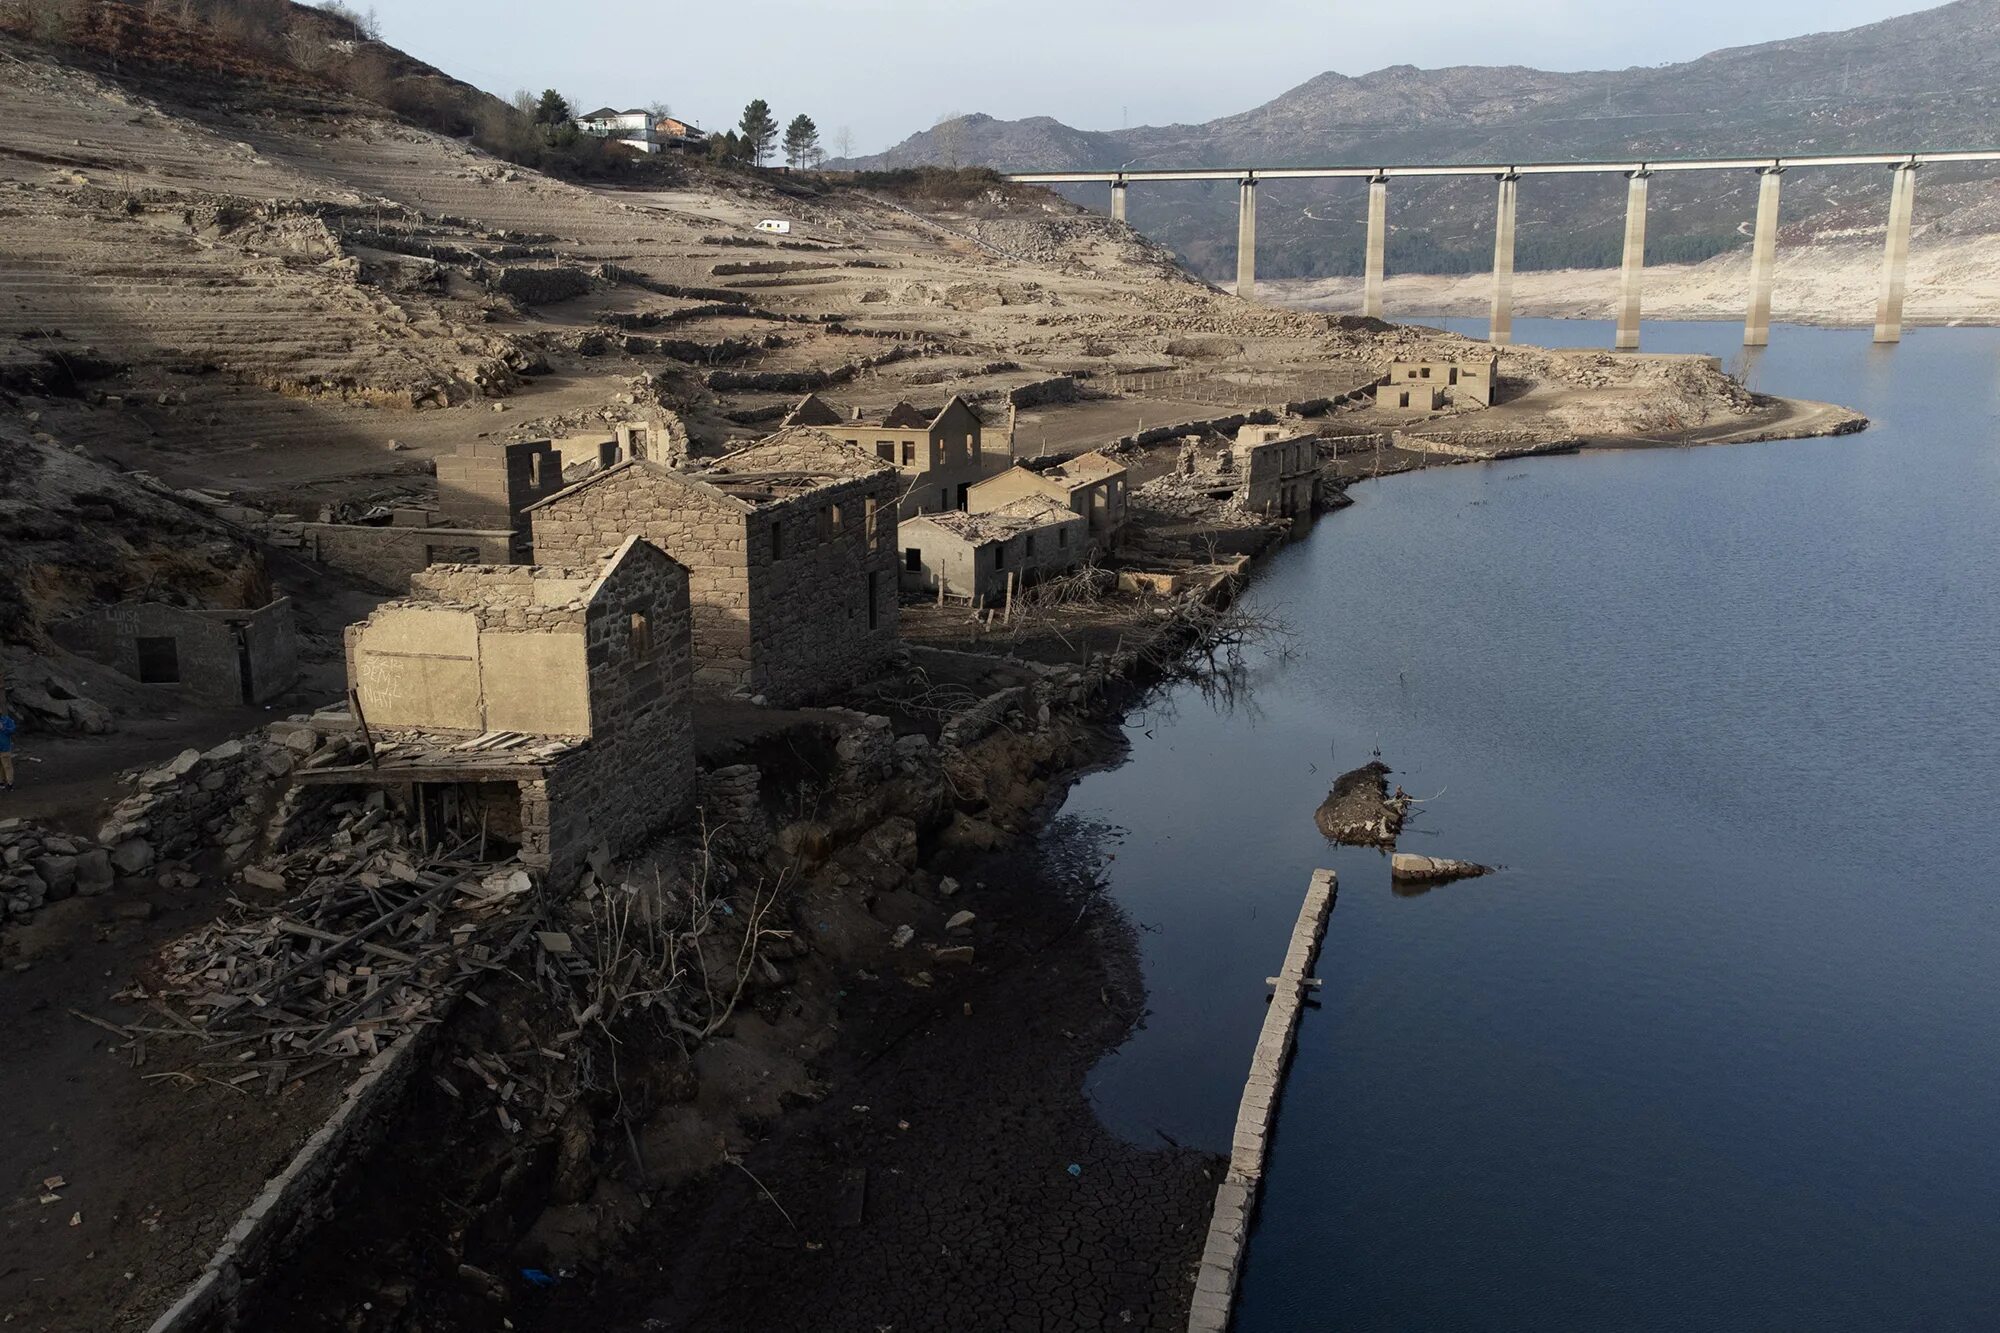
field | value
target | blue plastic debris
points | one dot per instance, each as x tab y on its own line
538	1277
1075	1170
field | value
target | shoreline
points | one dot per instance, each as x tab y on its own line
923	1175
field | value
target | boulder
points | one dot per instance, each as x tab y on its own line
132	856
94	719
58	872
94	874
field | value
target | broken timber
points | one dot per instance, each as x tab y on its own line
1256	1116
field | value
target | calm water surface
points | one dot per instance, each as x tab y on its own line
1720	1049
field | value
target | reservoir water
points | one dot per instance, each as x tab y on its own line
1720	1048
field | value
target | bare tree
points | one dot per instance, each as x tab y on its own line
843	143
950	135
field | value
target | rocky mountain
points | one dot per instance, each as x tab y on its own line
1921	79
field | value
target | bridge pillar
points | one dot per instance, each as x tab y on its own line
1896	255
1763	259
1118	201
1500	331
1246	238
1633	271
1378	246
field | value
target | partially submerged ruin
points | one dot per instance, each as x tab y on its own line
790	546
938	455
982	556
1089	485
544	707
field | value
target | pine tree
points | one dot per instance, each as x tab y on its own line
802	142
760	131
553	109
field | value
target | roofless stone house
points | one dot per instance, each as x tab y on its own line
790	546
536	706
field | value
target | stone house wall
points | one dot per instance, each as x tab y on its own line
220	655
980	570
387	556
786	618
824	608
487	485
697	525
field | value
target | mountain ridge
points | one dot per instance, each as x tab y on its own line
1914	80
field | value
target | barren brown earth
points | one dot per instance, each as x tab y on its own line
289	298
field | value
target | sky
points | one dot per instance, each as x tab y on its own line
883	69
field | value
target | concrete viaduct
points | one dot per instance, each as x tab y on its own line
1757	327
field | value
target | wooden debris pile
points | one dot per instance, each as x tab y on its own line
368	948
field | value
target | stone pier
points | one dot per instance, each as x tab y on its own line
1246	239
1763	259
1257	1115
1896	255
1500	328
1118	201
1378	246
1633	272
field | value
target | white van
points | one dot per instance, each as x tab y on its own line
778	225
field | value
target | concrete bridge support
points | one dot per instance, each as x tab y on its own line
1896	255
1378	246
1763	259
1118	201
1634	270
1246	239
1500	330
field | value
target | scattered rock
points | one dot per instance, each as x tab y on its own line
259	878
960	920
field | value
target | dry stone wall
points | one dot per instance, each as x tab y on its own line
824	610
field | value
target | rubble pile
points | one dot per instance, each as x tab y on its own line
39	866
212	798
373	944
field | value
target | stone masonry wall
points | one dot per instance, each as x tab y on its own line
698	527
387	557
636	775
205	647
810	605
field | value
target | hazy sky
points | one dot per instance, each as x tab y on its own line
886	68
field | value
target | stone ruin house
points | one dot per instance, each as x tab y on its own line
1089	485
219	655
662	439
978	556
1277	468
540	707
1472	382
939	455
790	546
483	491
1406	397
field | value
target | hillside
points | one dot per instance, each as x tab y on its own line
1922	79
